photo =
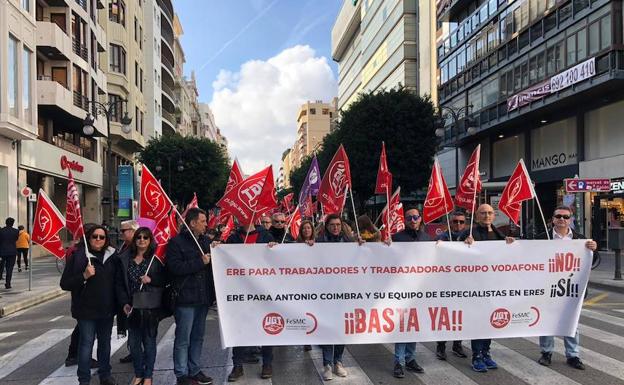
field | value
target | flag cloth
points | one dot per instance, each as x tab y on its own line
470	182
287	202
397	220
73	217
47	223
166	229
213	218
251	197
227	228
193	204
307	207
154	203
236	176
311	186
517	190
295	224
438	201
384	177
333	191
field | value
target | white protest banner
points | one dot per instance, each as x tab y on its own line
342	293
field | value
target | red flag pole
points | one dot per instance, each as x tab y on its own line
289	223
474	195
448	222
357	227
187	227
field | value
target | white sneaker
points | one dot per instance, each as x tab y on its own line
340	370
327	372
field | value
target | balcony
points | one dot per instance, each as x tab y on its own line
169	92
80	50
166	33
168	126
167	64
52	41
132	141
68	146
167	8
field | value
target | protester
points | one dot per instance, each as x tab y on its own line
484	230
192	278
334	231
368	231
306	235
8	251
22	245
127	229
139	283
278	228
90	275
562	231
405	352
266	222
240	354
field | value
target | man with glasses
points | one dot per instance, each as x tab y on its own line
405	352
484	230
278	228
561	231
266	222
458	228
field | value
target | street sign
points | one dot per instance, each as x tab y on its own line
26	191
576	185
32	198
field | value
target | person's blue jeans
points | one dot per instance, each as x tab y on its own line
189	339
89	329
142	344
547	344
332	354
240	352
480	348
404	352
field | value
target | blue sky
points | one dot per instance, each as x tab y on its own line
224	34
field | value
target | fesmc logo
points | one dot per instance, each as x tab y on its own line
250	191
155	199
501	317
274	323
338	179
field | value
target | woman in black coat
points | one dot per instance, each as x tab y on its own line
139	284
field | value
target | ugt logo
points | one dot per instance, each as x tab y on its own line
250	191
338	181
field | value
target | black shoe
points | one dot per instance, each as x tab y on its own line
267	371
94	363
576	363
201	378
127	359
413	366
545	359
441	351
108	381
398	371
237	372
71	361
19	269
184	381
458	350
251	359
307	348
7	286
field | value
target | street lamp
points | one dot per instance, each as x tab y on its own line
180	168
107	110
458	115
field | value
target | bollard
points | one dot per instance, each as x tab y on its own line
618	265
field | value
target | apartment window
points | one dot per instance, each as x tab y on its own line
116	107
117	12
136	119
26	84
140	37
141	79
565	13
117	59
579	5
13	76
571	50
142	120
26	5
325	111
136	29
136	74
312	111
605	32
581	44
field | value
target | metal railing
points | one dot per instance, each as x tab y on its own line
81	101
80	49
166	10
167	63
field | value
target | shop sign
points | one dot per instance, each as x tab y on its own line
576	185
529	95
617	186
67	164
554	160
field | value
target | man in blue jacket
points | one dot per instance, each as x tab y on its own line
8	250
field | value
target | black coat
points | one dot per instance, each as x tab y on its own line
8	237
94	298
190	276
278	235
239	236
327	238
409	235
480	233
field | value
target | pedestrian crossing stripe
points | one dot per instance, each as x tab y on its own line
5	335
617	321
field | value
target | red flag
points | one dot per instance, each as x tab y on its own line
192	205
295	224
166	229
251	198
397	220
517	190
227	229
73	218
212	218
286	202
236	176
384	177
154	203
469	182
336	180
438	201
48	222
307	207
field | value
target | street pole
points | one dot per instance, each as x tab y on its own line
618	265
111	186
31	215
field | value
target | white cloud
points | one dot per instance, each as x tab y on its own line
256	107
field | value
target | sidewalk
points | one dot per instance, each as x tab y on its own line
45	286
602	277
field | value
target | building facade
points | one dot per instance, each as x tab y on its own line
542	80
314	121
382	45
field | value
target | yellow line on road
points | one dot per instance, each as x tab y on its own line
596	299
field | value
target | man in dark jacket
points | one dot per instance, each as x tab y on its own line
240	354
278	228
8	250
192	277
561	231
484	230
405	352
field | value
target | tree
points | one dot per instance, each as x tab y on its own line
205	167
399	117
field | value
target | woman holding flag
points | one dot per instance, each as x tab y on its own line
139	284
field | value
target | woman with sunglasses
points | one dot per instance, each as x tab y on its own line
90	276
306	235
139	285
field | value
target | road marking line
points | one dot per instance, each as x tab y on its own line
56	318
596	299
31	349
355	374
617	321
5	335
